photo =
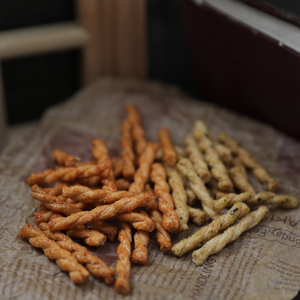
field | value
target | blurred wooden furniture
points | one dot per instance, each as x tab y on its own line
111	34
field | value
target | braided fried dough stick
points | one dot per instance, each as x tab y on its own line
126	142
94	264
56	190
108	230
100	152
229	235
64	259
141	241
137	130
240	180
123	264
266	198
179	196
97	196
218	170
250	162
204	234
170	220
162	236
142	174
197	215
66	174
169	154
63	158
197	159
43	216
138	220
99	213
54	203
224	153
186	168
91	237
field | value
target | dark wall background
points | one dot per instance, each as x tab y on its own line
34	83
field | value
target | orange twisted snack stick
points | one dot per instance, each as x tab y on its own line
122	184
100	152
91	237
250	162
94	264
97	196
138	220
43	216
66	174
63	158
123	265
141	241
54	203
142	174
217	243
162	236
204	234
170	220
127	150
108	230
64	259
56	190
117	165
100	213
137	129
169	154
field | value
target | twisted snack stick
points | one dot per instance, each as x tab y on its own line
137	130
66	174
94	264
54	203
218	170
127	152
99	213
108	230
250	162
91	237
169	154
267	198
179	196
239	210
141	241
229	235
97	196
100	152
240	180
224	153
138	220
43	216
142	174
122	184
63	158
197	215
64	259
197	158
170	220
162	236
117	166
56	190
123	264
186	168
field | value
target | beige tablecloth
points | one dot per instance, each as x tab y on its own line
263	263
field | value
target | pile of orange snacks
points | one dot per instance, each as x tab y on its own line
150	187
